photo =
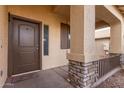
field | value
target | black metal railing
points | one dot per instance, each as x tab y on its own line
107	64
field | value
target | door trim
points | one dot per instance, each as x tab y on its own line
10	33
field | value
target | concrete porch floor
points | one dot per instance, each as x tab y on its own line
52	78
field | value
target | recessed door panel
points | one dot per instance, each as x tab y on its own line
26	34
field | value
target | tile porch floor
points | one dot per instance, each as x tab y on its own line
52	78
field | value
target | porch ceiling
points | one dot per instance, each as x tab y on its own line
62	10
121	9
101	24
103	14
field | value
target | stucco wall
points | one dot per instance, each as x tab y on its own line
102	40
100	46
102	33
57	56
3	43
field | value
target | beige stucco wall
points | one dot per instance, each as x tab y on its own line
102	33
4	43
100	45
57	56
102	40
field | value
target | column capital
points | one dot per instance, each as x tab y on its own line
84	58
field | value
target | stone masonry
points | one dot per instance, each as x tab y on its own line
82	74
122	60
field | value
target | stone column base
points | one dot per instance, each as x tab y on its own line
122	60
82	74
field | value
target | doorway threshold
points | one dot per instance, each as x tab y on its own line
30	72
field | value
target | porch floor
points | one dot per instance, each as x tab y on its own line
115	81
52	78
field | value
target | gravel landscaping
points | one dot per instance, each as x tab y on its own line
115	81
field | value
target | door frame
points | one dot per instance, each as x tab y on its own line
11	17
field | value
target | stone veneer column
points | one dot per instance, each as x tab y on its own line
82	67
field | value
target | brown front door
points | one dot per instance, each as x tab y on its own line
25	44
